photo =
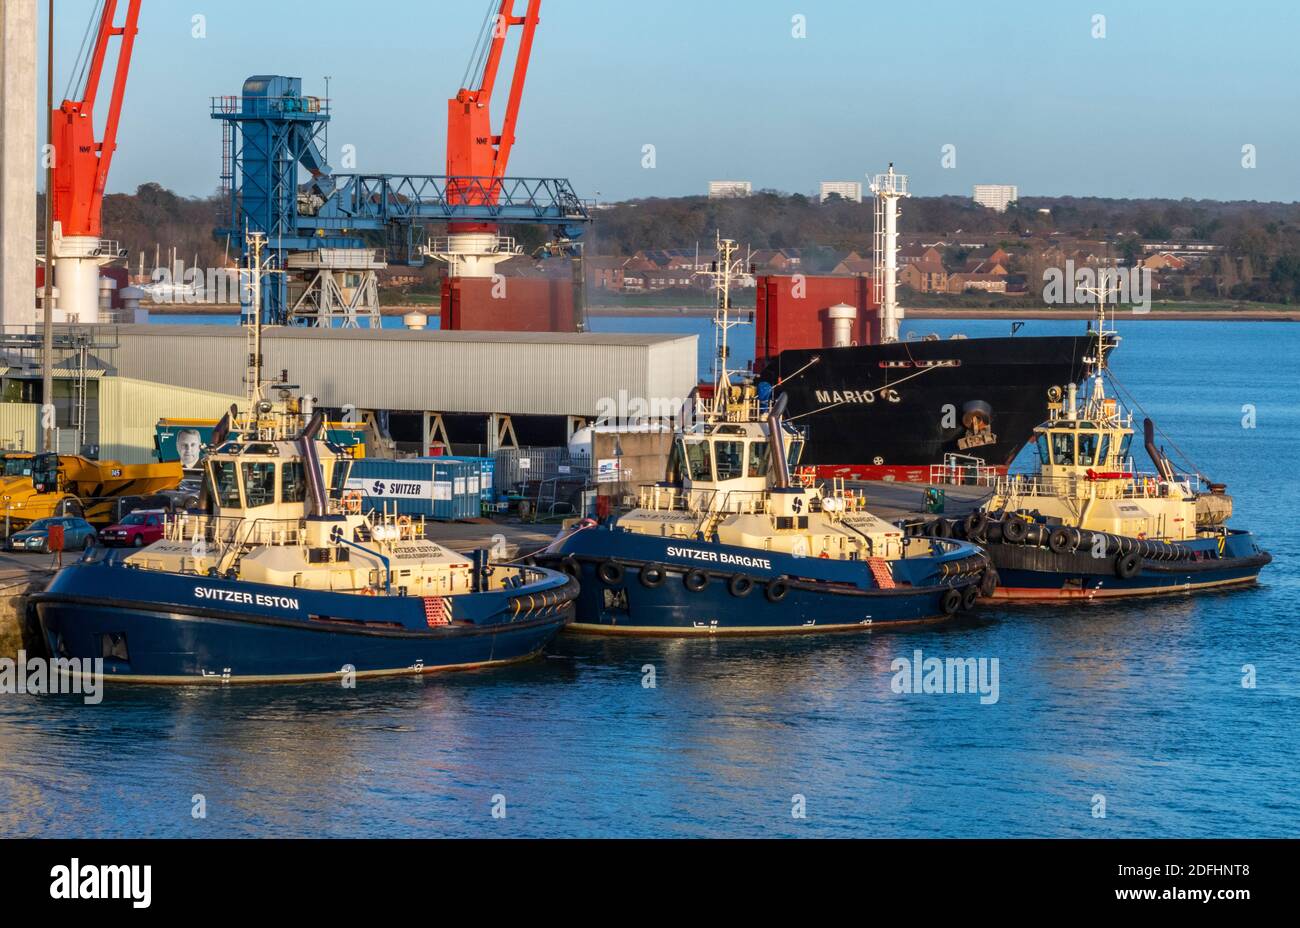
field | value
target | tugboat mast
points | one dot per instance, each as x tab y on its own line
723	321
1098	362
256	243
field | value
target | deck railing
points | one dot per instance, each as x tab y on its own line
962	470
1137	486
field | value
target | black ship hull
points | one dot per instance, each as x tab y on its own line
895	411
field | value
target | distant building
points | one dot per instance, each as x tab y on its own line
848	189
995	196
1164	261
726	189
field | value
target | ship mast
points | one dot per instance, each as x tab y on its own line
1098	361
256	243
723	321
889	188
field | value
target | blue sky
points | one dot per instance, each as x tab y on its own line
1159	107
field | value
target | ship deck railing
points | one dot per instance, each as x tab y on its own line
963	470
708	504
1136	486
725	409
225	531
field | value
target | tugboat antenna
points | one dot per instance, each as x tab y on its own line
256	243
723	321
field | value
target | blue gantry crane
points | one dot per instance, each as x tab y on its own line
322	227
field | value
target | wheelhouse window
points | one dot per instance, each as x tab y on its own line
1088	449
338	479
1044	455
730	459
259	484
225	484
759	459
676	466
699	460
1103	451
794	452
293	483
1063	448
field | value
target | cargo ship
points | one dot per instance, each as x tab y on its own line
875	407
898	411
733	519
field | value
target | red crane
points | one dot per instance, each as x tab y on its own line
81	162
473	149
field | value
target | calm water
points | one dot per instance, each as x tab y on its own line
1141	704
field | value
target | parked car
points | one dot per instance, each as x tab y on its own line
140	528
78	535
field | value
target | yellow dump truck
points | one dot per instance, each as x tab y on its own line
40	486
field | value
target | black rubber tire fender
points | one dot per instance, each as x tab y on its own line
1015	529
1128	566
697	581
611	573
939	528
951	601
652	576
740	586
976	523
777	590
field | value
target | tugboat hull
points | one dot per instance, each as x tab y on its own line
1028	573
643	585
174	629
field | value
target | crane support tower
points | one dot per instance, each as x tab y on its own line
81	165
279	183
475	150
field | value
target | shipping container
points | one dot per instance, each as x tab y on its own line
441	489
487	476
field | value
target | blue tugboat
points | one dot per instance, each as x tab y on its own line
730	544
280	577
1086	525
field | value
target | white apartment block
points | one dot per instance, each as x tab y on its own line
724	189
996	196
848	189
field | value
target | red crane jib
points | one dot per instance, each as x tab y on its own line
81	161
474	150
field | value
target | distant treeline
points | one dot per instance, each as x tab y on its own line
1262	240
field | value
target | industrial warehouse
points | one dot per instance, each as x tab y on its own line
490	389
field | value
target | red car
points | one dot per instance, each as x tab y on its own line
137	530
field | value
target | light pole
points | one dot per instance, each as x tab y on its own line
47	341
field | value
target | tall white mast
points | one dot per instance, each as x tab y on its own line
889	188
723	321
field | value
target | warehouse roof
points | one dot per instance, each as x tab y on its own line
518	373
631	339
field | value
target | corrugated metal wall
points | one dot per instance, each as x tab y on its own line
19	426
453	372
129	411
